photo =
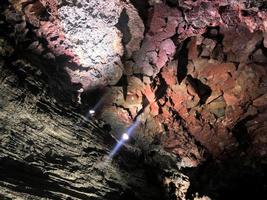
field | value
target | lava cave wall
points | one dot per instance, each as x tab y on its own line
50	151
193	73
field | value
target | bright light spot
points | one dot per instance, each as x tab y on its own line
91	112
125	136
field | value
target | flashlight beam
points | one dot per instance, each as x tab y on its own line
125	136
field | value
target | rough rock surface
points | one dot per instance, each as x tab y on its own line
80	38
170	25
194	78
94	39
49	151
198	90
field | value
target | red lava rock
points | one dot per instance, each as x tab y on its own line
239	43
230	99
207	46
162	59
221	84
154	109
169	73
192	49
150	95
163	23
168	46
52	33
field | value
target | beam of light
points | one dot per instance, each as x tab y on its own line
125	136
116	148
91	112
133	127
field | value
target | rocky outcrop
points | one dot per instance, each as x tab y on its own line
49	151
197	90
168	26
81	39
191	74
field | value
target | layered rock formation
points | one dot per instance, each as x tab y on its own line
49	151
192	73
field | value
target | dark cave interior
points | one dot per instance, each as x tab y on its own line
185	80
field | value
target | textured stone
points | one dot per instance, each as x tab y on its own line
49	151
196	85
259	57
94	39
207	47
239	43
89	41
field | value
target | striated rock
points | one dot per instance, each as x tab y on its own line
50	151
193	80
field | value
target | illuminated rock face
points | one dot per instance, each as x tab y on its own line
168	26
89	28
81	38
195	79
49	151
202	70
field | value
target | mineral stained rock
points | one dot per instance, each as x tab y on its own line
49	151
191	19
191	73
204	90
82	38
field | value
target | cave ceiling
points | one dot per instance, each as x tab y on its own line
191	74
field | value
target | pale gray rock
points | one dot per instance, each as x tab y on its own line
89	28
